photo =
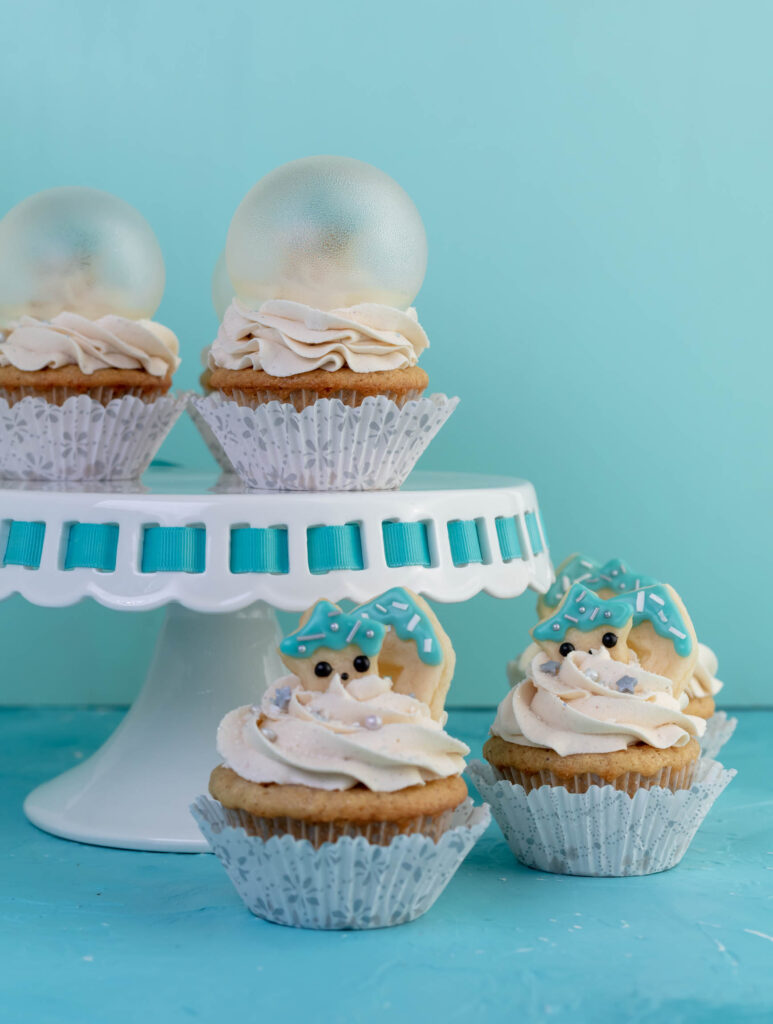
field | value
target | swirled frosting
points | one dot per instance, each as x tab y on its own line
361	733
111	342
283	338
591	704
703	682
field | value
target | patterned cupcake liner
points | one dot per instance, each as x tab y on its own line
347	884
83	439
603	832
303	397
214	447
328	446
719	729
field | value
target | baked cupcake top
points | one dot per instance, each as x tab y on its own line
338	720
109	342
283	338
606	674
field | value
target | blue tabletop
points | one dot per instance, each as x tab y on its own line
96	935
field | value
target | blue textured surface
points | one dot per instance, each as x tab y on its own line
259	550
92	546
174	549
93	935
334	547
406	544
464	541
24	545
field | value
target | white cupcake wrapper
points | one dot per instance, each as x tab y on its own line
719	729
83	439
603	832
347	884
327	446
214	447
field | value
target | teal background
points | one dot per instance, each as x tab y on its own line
595	179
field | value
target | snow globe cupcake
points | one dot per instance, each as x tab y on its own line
339	802
594	765
84	372
614	577
314	372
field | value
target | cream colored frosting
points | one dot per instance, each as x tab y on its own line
283	338
363	732
575	707
111	342
704	682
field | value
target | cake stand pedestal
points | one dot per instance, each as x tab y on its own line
223	559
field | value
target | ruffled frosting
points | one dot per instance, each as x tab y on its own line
704	682
111	342
588	703
283	338
361	733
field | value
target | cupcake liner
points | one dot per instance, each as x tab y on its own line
59	395
719	729
83	439
347	884
377	833
630	782
602	832
303	397
327	446
214	447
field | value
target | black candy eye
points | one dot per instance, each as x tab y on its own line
609	639
323	668
361	663
565	648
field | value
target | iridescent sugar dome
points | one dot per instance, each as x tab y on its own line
328	231
222	289
79	250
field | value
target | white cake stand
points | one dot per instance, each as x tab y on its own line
223	559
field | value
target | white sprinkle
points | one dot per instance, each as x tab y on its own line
400	606
593	614
662	616
654	597
428	645
587	565
301	649
607	615
353	632
334	627
636	587
335	611
640	601
570	618
269	734
565	583
621	586
415	620
580	596
364	615
372	722
581	579
615	572
312	636
581	609
369	634
676	632
556	625
382	609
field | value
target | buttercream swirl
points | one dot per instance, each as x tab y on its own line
283	338
703	682
575	707
110	342
361	733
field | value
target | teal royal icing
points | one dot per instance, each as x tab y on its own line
329	626
585	610
398	610
613	575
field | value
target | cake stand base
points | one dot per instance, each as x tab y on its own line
134	792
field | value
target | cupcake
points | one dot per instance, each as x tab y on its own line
606	580
81	273
340	760
323	259
601	718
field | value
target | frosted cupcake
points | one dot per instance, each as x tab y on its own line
80	274
324	257
338	757
602	710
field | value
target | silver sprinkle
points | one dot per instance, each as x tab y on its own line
581	609
556	626
607	615
372	722
334	627
551	667
301	649
626	684
269	734
369	634
593	675
282	697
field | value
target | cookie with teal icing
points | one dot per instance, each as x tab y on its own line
606	580
395	635
650	623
